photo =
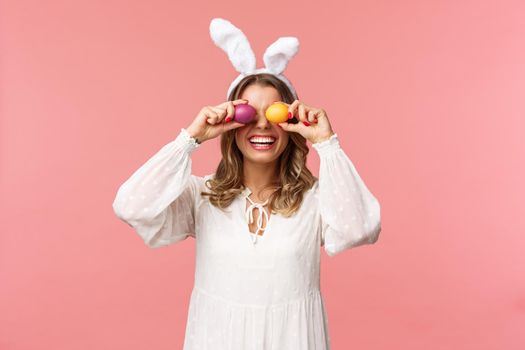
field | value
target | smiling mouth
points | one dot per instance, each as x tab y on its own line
262	141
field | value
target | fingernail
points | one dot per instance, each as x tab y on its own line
228	119
290	116
306	123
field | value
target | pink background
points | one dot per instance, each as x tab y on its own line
428	100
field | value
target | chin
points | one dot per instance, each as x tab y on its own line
262	154
262	159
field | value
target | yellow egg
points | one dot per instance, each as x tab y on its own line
277	112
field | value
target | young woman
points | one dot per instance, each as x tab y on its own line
259	220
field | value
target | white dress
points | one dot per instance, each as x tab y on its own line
251	292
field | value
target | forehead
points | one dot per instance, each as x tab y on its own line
260	96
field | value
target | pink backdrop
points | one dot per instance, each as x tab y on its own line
428	97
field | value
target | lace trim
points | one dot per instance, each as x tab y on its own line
328	145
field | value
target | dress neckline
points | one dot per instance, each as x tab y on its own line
248	215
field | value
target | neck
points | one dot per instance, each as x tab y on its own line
258	175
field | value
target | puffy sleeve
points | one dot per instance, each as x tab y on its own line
159	198
349	212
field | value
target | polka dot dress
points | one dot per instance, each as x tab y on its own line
251	292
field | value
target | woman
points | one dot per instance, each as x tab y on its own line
259	221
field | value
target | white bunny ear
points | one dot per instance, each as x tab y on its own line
278	54
233	41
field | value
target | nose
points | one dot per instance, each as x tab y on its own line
261	121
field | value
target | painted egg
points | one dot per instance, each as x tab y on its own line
277	112
244	113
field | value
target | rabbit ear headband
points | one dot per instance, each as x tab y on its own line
236	45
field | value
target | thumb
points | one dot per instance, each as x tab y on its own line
290	127
232	125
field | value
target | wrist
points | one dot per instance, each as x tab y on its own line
186	141
194	136
324	138
328	146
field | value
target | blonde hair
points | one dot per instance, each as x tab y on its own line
294	177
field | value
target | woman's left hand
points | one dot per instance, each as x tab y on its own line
313	122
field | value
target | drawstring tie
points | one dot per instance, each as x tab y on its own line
249	217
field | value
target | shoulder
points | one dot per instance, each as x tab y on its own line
199	182
312	194
314	190
198	185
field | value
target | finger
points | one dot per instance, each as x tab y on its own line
211	116
293	108
221	111
232	125
230	111
213	120
308	108
312	116
292	127
302	113
321	116
240	101
208	111
323	122
235	102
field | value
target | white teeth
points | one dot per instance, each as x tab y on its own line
262	140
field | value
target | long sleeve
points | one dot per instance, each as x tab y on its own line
159	198
350	214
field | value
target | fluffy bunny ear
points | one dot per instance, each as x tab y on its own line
278	54
233	41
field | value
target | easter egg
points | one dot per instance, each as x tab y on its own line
244	113
277	112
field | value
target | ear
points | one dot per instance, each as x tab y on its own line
233	41
278	54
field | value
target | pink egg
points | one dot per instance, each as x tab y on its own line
244	113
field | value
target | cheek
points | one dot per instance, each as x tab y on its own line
283	135
239	135
240	144
284	142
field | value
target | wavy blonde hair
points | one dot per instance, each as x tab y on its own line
294	177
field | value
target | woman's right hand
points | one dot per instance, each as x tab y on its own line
214	120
